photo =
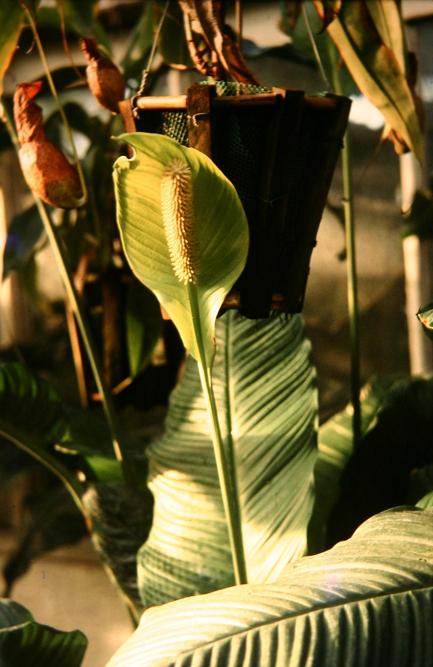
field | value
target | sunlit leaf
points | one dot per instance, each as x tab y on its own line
192	280
367	601
265	390
371	47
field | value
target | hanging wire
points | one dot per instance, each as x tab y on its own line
146	71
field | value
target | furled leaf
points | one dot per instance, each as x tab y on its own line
120	520
11	21
216	240
23	641
265	390
425	316
25	237
367	601
369	39
143	326
221	55
335	449
104	79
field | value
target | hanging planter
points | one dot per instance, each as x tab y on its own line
279	148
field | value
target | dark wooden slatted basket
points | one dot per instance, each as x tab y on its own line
279	148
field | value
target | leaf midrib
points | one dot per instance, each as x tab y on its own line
290	616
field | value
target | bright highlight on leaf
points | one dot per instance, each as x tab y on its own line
178	217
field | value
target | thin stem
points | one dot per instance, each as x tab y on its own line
74	487
55	95
83	324
314	46
239	22
352	276
227	481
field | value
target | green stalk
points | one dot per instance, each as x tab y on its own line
83	324
223	457
74	487
352	276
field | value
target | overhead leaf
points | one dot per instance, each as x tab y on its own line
184	232
367	601
370	41
335	449
25	237
425	316
11	21
140	42
301	46
172	43
23	641
82	18
143	326
265	390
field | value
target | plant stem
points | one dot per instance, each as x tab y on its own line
80	315
227	479
54	93
352	276
74	487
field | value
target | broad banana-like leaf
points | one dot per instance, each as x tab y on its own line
335	448
368	601
23	641
184	232
266	395
369	37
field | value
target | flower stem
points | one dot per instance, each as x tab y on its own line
226	476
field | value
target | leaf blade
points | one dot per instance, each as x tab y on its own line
363	590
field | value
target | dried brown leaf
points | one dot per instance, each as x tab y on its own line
214	51
105	81
46	170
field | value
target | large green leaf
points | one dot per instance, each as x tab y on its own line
23	641
11	21
265	389
335	449
368	601
369	37
217	241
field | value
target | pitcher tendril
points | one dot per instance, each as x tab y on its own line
178	219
